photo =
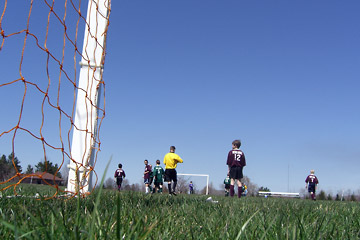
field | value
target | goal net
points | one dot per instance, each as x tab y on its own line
200	183
50	103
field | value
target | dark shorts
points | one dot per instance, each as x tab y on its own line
236	173
158	181
311	187
227	186
158	184
119	181
146	180
170	175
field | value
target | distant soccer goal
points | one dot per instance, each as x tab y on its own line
198	175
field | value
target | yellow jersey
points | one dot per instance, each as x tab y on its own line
171	160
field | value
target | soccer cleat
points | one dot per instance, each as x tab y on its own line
173	193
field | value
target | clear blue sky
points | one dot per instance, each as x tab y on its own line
282	76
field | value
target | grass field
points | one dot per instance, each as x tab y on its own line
133	215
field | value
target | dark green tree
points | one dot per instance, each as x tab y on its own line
49	167
29	169
12	157
353	198
264	189
4	168
329	197
321	195
7	168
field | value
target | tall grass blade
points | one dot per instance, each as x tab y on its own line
97	202
118	216
245	224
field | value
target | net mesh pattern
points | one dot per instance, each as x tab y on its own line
40	51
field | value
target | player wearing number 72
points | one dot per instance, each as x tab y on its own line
236	162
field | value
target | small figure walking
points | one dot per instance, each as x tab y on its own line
227	185
119	175
311	184
191	188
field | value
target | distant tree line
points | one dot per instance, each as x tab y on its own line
349	196
264	189
9	165
43	166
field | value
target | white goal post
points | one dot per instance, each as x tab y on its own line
86	114
198	175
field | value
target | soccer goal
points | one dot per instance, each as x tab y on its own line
51	90
84	138
198	175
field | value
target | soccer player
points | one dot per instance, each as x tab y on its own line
311	184
227	185
158	176
245	191
171	160
147	175
119	175
236	161
151	178
191	188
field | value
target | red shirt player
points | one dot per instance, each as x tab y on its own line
236	162
311	184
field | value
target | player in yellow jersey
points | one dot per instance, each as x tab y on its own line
171	159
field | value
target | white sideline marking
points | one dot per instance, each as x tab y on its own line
279	194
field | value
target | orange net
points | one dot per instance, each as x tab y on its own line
39	57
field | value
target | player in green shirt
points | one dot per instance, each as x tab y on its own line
158	173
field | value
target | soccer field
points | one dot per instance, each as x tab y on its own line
133	215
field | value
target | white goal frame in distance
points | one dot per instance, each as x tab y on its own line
198	175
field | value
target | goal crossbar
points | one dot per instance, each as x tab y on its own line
198	175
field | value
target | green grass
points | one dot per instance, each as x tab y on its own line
133	215
30	190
